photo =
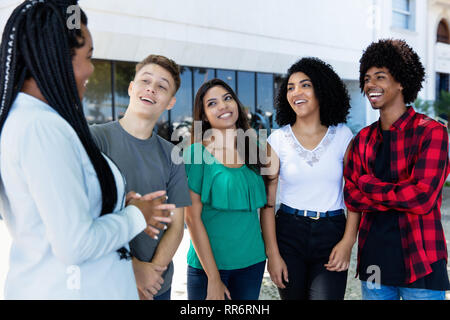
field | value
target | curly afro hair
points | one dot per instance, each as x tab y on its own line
329	89
401	61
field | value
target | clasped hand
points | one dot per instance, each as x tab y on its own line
156	212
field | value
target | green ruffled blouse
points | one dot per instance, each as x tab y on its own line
230	198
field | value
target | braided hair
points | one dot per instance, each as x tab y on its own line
38	43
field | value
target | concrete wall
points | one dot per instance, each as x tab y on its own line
438	53
255	35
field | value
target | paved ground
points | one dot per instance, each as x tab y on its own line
268	290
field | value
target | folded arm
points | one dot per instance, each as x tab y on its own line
418	193
355	200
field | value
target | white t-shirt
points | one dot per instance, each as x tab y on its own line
311	180
51	198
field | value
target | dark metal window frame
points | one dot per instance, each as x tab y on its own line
255	80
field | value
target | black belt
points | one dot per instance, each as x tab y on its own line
311	214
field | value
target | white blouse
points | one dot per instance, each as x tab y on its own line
311	179
51	203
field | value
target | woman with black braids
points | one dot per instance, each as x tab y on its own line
57	189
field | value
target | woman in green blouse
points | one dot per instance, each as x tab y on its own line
226	258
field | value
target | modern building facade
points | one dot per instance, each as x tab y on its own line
250	44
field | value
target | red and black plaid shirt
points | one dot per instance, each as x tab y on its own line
420	166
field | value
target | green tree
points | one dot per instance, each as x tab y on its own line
438	108
124	75
442	105
99	85
424	106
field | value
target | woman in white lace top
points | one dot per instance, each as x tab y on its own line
309	239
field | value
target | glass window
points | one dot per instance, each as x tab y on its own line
401	14
400	20
229	77
97	99
263	116
181	113
183	107
401	5
246	90
264	82
124	74
201	75
356	120
442	84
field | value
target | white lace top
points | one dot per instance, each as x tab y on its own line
311	179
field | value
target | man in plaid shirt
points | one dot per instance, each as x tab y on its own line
396	170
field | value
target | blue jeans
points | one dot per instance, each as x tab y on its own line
164	296
380	292
243	284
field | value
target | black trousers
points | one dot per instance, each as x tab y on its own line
305	246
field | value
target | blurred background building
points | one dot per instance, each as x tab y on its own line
250	44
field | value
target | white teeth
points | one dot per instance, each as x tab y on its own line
148	100
299	101
225	115
375	94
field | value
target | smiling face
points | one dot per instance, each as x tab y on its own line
382	89
152	91
221	109
301	96
82	62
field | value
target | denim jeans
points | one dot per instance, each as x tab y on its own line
243	284
380	292
164	296
305	246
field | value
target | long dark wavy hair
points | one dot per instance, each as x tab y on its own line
38	44
241	123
